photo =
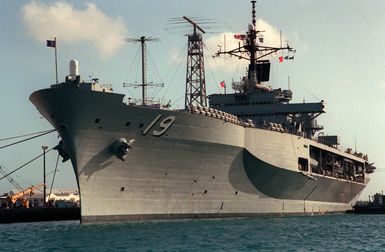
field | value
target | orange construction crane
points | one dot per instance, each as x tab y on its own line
26	191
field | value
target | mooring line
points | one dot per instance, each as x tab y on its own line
42	134
26	164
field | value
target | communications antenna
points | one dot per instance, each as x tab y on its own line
195	72
144	83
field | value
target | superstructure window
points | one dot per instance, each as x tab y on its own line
303	164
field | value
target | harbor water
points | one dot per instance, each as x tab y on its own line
342	232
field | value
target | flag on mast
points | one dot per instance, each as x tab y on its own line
52	43
240	36
223	85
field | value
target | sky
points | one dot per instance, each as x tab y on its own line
340	58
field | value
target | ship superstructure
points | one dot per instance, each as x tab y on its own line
249	153
258	105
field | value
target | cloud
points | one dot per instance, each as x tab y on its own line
271	35
381	84
73	26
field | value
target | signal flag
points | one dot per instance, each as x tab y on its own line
51	43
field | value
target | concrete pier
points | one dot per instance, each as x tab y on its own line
12	215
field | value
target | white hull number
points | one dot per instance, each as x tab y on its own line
164	125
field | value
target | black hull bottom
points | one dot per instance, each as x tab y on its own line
149	217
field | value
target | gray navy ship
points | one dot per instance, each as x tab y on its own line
247	153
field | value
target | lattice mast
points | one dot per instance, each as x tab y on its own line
195	72
144	70
144	83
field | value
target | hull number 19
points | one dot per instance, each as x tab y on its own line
164	125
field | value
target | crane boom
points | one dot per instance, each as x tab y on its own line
26	191
10	179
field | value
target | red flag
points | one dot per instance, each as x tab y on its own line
280	58
223	84
51	43
239	36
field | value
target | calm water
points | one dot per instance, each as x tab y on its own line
313	233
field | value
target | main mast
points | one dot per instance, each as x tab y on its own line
252	50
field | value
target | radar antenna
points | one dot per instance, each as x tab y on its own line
144	83
195	71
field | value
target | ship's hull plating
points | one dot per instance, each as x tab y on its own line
198	166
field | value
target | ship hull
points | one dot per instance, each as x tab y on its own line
182	165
